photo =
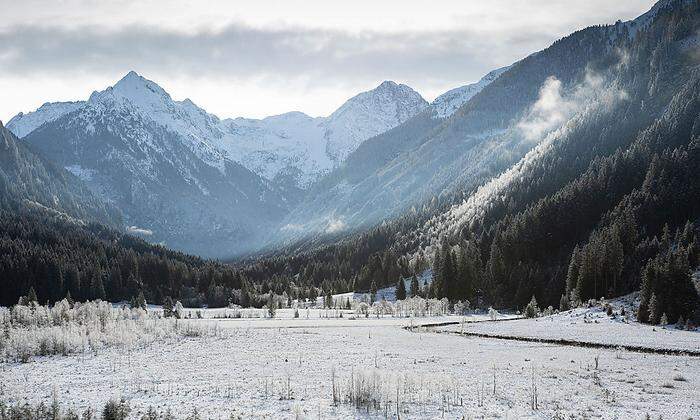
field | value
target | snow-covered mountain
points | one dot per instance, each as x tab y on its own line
292	149
295	149
368	114
153	158
184	176
450	101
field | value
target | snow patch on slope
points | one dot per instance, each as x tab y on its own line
23	124
449	102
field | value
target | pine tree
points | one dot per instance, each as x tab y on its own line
436	284
271	305
140	301
31	296
400	290
654	310
564	303
495	273
572	273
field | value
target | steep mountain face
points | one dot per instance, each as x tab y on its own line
152	158
367	115
294	149
29	180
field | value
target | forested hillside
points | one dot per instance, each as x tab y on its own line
26	176
612	204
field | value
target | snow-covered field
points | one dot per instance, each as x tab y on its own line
289	368
590	325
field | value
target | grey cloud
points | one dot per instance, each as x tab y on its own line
241	52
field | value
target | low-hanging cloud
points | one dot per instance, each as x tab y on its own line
554	106
135	230
242	52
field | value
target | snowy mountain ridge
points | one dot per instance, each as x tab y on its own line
22	124
291	145
449	102
304	148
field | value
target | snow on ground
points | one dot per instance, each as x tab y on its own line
591	325
284	368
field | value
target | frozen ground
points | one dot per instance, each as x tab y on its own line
285	368
590	325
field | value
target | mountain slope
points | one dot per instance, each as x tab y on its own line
151	157
592	210
295	149
429	157
28	179
449	102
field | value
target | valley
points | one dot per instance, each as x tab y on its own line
523	245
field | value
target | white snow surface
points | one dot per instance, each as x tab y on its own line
449	102
282	368
22	124
592	325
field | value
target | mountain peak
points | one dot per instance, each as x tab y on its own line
134	85
387	84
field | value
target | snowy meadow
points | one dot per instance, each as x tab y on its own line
326	363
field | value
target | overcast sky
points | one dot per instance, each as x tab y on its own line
262	57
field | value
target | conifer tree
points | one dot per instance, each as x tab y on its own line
31	296
654	310
415	287
167	307
400	290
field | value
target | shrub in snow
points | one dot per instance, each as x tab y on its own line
532	310
493	314
375	389
179	310
361	309
116	410
90	326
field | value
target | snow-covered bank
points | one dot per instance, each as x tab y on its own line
590	325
